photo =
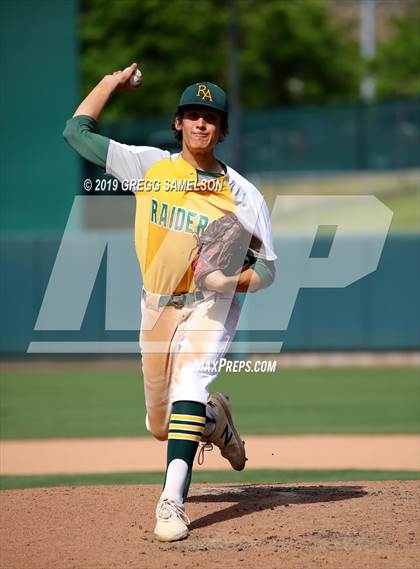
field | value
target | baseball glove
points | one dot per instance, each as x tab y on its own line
222	246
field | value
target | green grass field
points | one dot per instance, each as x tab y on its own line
210	477
83	403
86	403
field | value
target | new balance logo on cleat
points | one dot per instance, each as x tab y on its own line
227	437
224	436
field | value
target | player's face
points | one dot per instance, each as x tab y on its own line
200	128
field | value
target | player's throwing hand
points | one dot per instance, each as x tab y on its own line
129	79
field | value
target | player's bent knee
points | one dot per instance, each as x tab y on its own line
160	436
157	429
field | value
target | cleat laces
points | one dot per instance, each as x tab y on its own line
204	447
169	507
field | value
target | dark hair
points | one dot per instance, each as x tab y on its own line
224	126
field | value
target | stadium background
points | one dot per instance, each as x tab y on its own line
343	145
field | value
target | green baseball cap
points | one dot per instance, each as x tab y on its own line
204	93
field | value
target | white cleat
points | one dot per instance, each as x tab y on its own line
171	521
224	436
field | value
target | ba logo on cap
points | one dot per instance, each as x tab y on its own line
204	93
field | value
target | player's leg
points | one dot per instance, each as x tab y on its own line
184	419
202	332
186	427
158	328
189	393
156	342
205	338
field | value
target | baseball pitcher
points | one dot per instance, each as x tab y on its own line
202	234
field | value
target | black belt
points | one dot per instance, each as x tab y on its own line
180	300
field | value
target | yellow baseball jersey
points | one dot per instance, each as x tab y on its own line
173	208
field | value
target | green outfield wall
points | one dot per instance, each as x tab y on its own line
39	89
378	312
40	176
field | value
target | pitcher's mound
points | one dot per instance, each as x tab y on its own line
343	525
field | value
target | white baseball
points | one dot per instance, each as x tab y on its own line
136	79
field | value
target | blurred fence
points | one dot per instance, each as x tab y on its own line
357	136
349	137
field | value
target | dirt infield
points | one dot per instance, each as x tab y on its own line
306	526
64	456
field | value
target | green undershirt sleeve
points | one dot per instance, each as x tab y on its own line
265	270
80	134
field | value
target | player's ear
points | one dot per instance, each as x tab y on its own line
178	123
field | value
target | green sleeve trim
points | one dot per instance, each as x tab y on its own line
265	270
210	174
80	134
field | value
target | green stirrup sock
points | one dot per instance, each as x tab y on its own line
188	419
